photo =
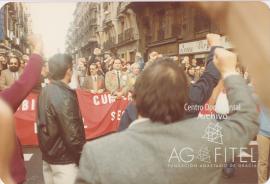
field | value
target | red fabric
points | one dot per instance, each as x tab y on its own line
14	96
101	115
25	120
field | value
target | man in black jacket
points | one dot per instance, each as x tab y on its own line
199	92
60	127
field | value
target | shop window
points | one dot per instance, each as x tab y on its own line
176	30
123	56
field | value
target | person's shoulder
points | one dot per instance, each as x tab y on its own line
87	78
5	72
109	72
48	88
111	142
101	77
55	89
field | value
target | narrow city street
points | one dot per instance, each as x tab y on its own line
169	89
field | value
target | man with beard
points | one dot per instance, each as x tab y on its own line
11	74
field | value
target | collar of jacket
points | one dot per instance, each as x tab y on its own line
61	84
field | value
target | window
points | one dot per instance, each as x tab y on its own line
161	25
202	21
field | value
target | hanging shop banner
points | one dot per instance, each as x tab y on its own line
201	46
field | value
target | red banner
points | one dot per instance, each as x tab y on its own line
101	115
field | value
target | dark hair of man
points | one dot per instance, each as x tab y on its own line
93	64
58	66
161	92
117	58
17	58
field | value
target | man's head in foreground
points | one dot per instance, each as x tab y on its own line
161	92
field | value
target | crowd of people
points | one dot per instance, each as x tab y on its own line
11	68
105	72
154	123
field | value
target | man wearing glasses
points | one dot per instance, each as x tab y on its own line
11	74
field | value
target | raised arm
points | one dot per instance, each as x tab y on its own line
241	126
201	91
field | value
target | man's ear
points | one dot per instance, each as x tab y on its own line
69	71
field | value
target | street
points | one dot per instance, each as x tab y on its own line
77	71
34	169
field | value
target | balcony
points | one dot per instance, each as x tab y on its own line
129	34
107	17
122	7
126	36
110	43
120	37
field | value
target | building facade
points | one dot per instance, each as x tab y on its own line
81	37
174	29
15	26
117	29
170	28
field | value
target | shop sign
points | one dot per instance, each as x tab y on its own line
200	46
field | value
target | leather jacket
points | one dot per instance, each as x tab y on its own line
60	127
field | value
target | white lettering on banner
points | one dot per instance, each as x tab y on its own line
28	105
116	115
129	97
95	100
35	128
103	99
33	102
